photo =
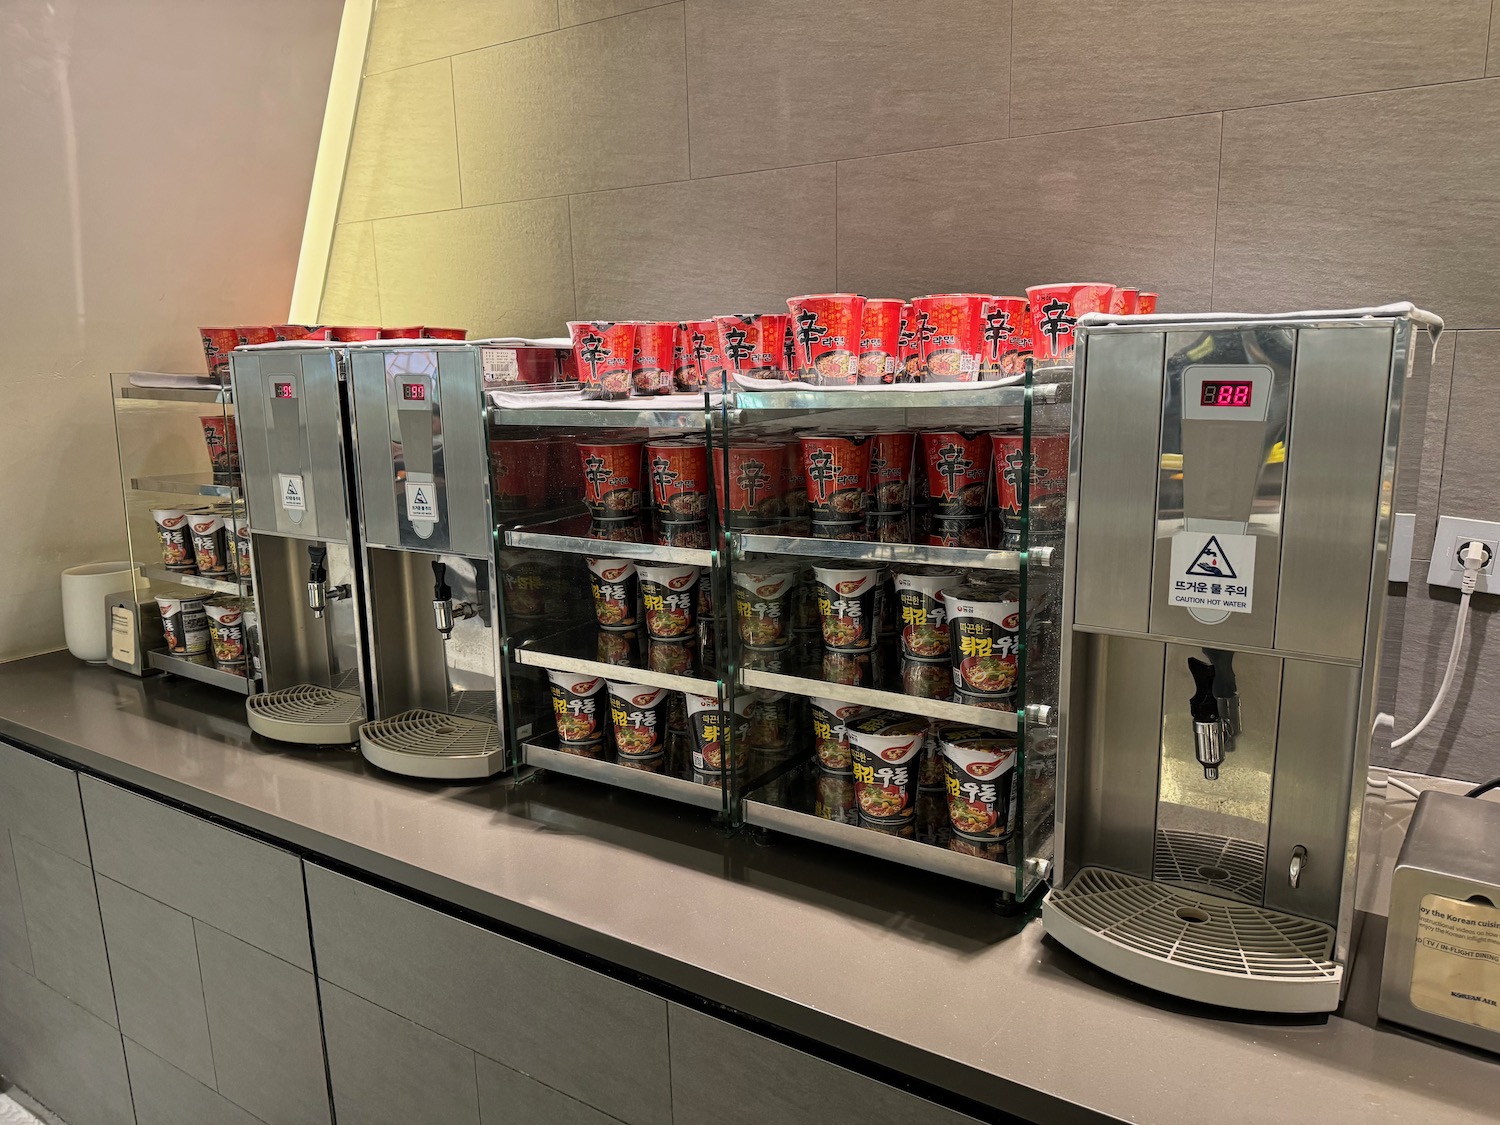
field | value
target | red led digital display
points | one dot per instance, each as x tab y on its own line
282	390
1226	392
414	392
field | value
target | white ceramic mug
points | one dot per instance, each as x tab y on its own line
84	589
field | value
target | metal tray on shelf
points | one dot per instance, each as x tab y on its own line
536	753
561	651
745	543
885	700
212	395
196	581
569	536
599	417
186	484
198	668
795	397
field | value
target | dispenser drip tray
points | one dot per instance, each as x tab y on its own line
1195	945
309	714
1220	865
431	744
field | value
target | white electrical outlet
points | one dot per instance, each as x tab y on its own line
1447	568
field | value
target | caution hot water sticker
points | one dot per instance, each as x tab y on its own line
1213	572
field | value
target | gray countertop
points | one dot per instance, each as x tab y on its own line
993	1011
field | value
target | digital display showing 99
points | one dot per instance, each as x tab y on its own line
414	392
1226	392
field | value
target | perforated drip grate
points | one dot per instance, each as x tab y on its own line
430	734
305	704
1218	864
472	704
1198	931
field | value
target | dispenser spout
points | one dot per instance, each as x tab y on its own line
442	599
1208	726
319	593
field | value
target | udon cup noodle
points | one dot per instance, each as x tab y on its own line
978	772
847	607
632	529
217	344
678	472
223	445
525	587
693	533
639	716
763	606
685	376
210	544
353	333
604	351
851	669
950	336
888	478
670	597
623	650
837	467
754	345
826	334
984	702
887	766
930	775
932	816
1007	338
883	527
833	797
1055	310
616	590
256	333
1125	301
805	602
708	359
578	706
672	658
518	473
184	624
611	478
922	617
652	358
300	331
830	731
756	486
715	744
237	535
250	622
1145	304
176	539
984	621
226	635
959	531
926	679
880	341
655	763
777	659
957	467
770	720
1048	468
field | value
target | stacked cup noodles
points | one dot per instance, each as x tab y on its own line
211	541
218	342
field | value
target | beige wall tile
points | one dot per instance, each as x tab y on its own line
1493	66
781	82
732	244
602	105
1121	60
499	270
585	11
1359	200
1130	204
350	292
414	31
403	157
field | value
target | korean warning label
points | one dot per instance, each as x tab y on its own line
1212	571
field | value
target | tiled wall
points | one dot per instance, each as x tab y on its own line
522	163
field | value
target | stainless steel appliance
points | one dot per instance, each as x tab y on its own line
1226	553
296	463
429	559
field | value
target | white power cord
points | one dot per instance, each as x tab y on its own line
1473	559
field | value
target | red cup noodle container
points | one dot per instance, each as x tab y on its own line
957	467
950	336
300	332
176	539
685	376
1125	302
908	360
887	766
708	358
887	527
837	468
1145	303
670	597
789	349
926	679
651	369
678	471
256	334
1007	338
880	341
692	533
578	705
1049	468
830	731
763	606
984	621
184	624
834	797
639	716
889	479
611	478
226	635
210	544
353	333
922	615
564	467
770	721
849	531
604	351
757	479
1055	310
616	590
847	607
710	728
754	345
429	333
220	436
518	473
631	529
826	334
978	773
960	531
217	344
411	332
